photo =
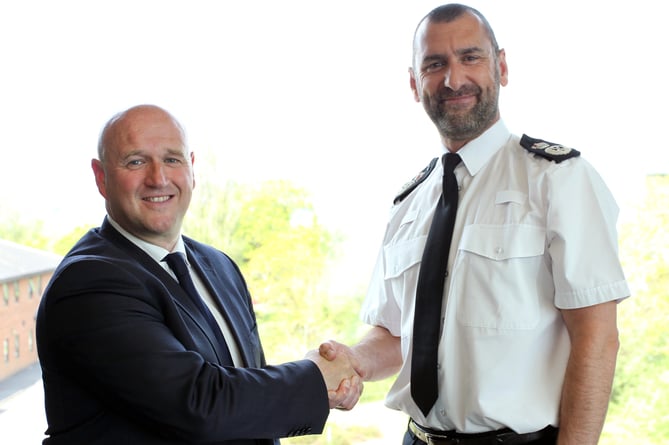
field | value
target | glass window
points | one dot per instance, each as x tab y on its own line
31	288
31	341
17	291
5	350
17	345
5	294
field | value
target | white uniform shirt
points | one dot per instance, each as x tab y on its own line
531	237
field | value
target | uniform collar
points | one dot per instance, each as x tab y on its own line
476	153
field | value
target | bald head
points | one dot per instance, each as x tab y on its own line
122	124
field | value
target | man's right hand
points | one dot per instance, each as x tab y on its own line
343	382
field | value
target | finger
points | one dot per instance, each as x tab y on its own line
353	395
348	397
327	351
339	396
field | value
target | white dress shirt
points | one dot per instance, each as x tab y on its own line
531	237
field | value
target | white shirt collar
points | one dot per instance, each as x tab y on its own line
155	252
476	153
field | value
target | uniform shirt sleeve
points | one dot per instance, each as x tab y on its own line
582	237
380	307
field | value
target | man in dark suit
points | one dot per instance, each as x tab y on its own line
131	353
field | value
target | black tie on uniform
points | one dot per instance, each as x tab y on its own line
430	290
177	262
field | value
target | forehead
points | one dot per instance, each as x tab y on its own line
465	32
145	130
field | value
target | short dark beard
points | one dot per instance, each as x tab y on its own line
464	127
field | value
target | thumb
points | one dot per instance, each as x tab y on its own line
327	351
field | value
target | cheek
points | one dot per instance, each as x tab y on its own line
431	85
124	186
187	181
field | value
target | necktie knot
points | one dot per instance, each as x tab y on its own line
450	161
177	263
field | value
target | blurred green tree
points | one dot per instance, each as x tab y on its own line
18	229
273	233
639	410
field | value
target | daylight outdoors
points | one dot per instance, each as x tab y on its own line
303	128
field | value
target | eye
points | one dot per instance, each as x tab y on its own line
134	164
434	66
173	161
470	58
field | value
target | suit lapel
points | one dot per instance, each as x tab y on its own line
228	302
177	293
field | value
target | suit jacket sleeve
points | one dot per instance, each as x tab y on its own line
115	330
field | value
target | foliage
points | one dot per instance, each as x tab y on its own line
33	233
17	229
271	230
639	410
214	215
63	245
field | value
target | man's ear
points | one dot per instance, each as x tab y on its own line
414	86
99	172
503	68
192	163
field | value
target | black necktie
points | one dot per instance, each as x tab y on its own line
430	290
177	263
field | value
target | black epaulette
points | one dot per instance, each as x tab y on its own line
420	177
548	150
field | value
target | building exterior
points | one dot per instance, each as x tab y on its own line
24	273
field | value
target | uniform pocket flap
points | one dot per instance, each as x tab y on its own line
507	196
401	256
501	242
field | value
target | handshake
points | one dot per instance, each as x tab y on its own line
341	371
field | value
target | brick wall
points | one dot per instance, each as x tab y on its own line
19	300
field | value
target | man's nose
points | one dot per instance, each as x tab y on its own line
455	77
156	174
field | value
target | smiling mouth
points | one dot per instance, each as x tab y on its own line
459	98
463	93
457	104
158	198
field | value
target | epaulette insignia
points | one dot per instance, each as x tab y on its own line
420	177
548	150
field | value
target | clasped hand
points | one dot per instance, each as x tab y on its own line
341	372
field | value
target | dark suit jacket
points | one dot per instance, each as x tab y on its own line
127	359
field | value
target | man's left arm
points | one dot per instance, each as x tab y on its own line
589	376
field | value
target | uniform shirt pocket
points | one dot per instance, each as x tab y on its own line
500	276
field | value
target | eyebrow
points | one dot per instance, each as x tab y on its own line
142	153
458	52
470	50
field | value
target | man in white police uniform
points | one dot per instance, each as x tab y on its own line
528	338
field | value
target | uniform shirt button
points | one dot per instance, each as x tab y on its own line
499	250
442	412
